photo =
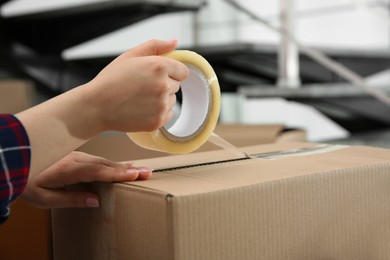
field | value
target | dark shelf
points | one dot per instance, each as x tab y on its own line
55	30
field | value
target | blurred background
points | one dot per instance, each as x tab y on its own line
264	77
319	69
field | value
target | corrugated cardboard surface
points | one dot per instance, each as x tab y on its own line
253	134
118	147
325	204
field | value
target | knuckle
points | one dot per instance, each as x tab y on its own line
115	174
183	71
75	154
161	120
74	200
152	42
163	105
157	66
96	172
186	72
36	199
103	162
104	173
44	201
154	124
41	200
172	100
71	158
159	88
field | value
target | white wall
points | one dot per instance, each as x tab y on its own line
329	23
350	28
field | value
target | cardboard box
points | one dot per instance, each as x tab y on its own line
16	95
296	201
247	135
118	147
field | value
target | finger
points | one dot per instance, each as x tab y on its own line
86	172
100	173
176	69
128	164
144	175
72	168
40	197
174	86
154	47
70	199
45	197
172	101
80	157
167	118
144	172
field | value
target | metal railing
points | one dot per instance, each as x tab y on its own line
316	55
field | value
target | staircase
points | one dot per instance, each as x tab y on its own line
32	43
31	46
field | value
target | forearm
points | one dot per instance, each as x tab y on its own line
58	126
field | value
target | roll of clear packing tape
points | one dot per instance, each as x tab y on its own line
201	101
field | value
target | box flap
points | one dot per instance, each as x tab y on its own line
217	155
205	178
254	134
16	95
242	135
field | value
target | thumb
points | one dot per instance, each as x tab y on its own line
154	47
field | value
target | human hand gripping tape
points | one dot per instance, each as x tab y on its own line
199	114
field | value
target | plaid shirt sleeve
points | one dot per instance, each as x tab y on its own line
15	158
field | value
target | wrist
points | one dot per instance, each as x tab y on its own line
90	108
59	126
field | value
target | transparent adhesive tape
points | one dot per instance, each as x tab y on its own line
199	110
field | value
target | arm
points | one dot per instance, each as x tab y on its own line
133	93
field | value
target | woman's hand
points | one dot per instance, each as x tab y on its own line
47	189
136	91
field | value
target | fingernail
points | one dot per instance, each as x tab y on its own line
172	40
145	169
92	202
129	164
133	171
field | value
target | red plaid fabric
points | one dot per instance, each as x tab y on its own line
15	158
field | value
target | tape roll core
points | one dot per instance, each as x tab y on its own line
194	108
199	110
